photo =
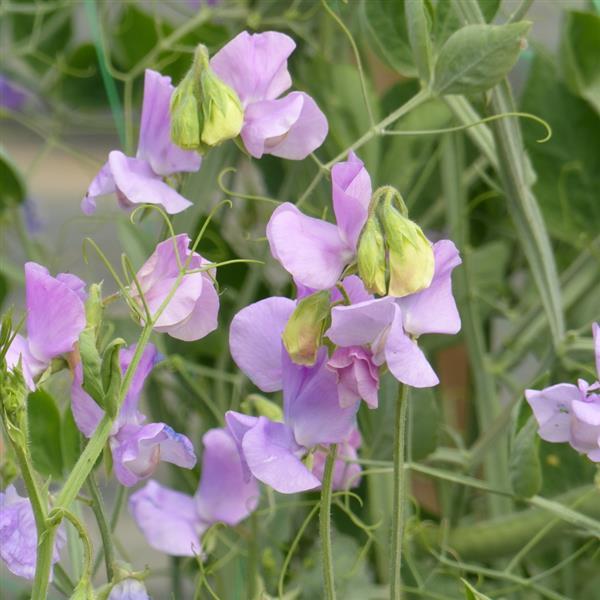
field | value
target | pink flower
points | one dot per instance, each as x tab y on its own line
357	375
255	66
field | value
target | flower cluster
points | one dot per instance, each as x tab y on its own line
571	413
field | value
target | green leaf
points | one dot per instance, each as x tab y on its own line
471	593
524	468
45	434
580	54
568	165
385	22
418	24
12	187
112	376
446	21
91	364
477	57
70	440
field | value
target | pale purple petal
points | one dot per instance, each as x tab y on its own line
291	127
360	323
86	412
18	535
273	457
129	589
255	340
351	188
202	320
311	403
155	146
139	184
355	288
30	366
405	359
238	424
74	283
168	519
587	411
596	334
158	276
552	410
583	436
55	314
433	310
224	494
102	184
150	357
269	120
310	250
357	376
255	65
137	450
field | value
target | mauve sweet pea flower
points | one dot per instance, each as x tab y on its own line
357	375
18	534
193	309
272	451
346	474
571	413
173	522
137	447
255	66
55	318
313	251
390	325
139	180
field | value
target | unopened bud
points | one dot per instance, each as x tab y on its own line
263	407
94	306
205	111
410	254
371	257
304	330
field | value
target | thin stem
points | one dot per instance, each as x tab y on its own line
520	12
103	525
400	491
325	525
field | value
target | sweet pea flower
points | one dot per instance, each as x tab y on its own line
571	413
314	251
140	180
273	451
391	325
346	474
129	589
173	522
55	318
255	66
192	310
18	535
357	375
137	447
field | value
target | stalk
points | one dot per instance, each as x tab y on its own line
103	526
325	525
400	491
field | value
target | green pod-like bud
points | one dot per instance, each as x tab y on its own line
304	330
205	111
94	306
262	407
410	254
371	257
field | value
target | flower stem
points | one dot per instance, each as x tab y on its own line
400	488
325	525
103	525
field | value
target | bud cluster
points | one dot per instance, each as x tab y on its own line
394	256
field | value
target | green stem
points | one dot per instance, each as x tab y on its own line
325	525
253	548
400	491
103	525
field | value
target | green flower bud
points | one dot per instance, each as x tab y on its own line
205	111
410	253
303	332
83	590
94	307
371	257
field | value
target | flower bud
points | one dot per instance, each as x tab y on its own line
304	330
410	254
263	407
94	307
371	257
205	111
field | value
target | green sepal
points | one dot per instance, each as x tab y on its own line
112	376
